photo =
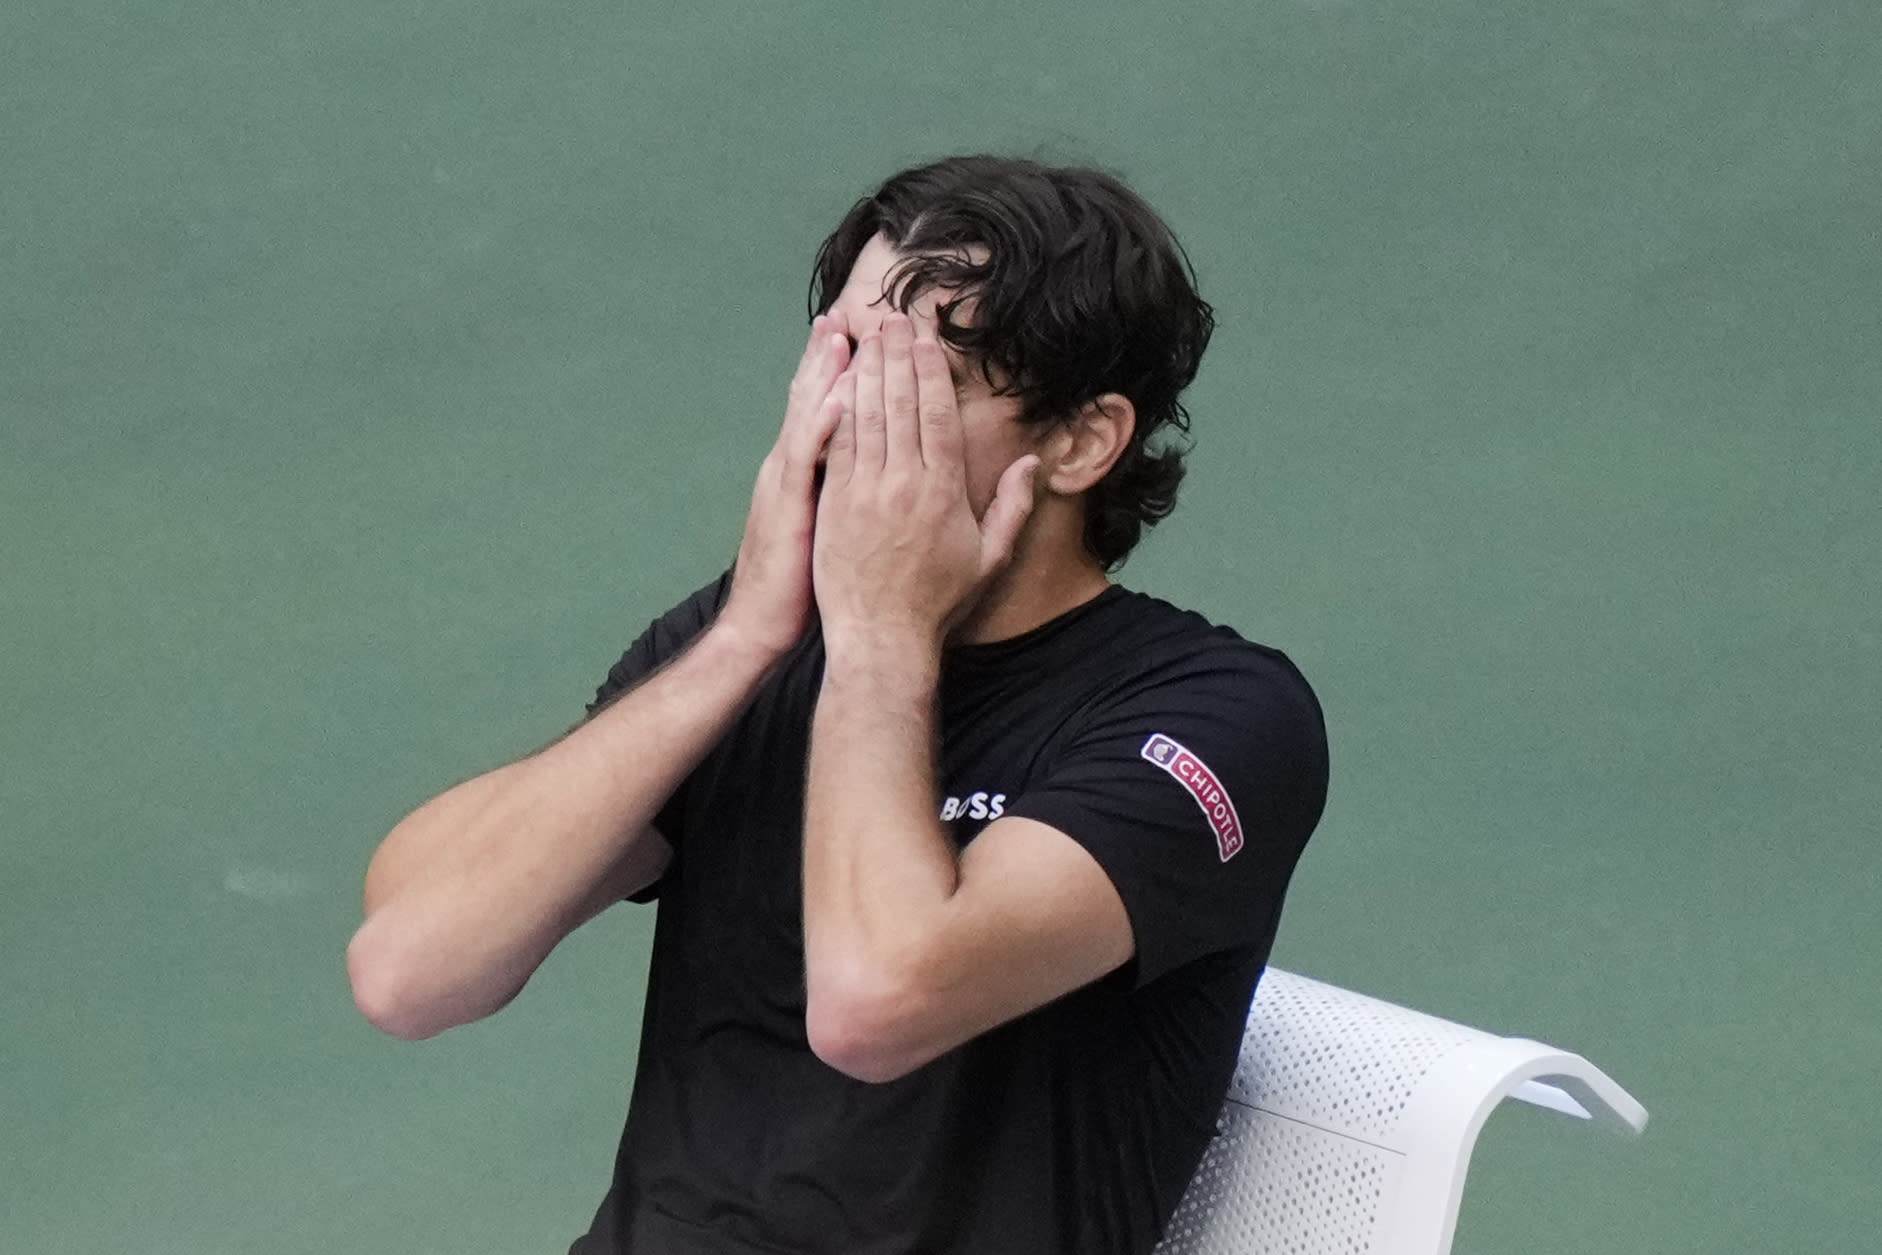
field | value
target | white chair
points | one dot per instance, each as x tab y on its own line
1350	1121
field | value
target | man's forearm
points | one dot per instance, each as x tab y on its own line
879	870
469	893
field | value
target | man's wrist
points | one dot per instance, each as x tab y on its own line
735	644
885	658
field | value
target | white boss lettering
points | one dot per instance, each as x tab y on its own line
980	805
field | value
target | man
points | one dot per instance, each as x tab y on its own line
968	859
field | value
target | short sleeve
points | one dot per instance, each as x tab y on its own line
665	639
1195	789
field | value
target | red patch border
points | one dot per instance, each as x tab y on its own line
1188	770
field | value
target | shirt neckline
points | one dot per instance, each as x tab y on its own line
988	653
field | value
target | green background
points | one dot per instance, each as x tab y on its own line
371	372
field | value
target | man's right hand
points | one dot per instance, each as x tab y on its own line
771	600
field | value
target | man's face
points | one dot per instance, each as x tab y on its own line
992	435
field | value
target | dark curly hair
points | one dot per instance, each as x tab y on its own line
1080	290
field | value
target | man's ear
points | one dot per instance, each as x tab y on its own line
1085	446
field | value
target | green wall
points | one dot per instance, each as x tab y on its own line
369	373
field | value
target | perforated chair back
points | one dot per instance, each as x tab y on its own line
1349	1125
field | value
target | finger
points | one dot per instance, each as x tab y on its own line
938	408
826	354
841	463
813	346
840	325
833	361
870	418
1012	505
899	392
806	446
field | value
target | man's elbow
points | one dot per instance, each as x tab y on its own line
866	1033
387	992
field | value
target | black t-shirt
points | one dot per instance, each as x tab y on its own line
1189	762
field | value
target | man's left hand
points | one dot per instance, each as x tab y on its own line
899	556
